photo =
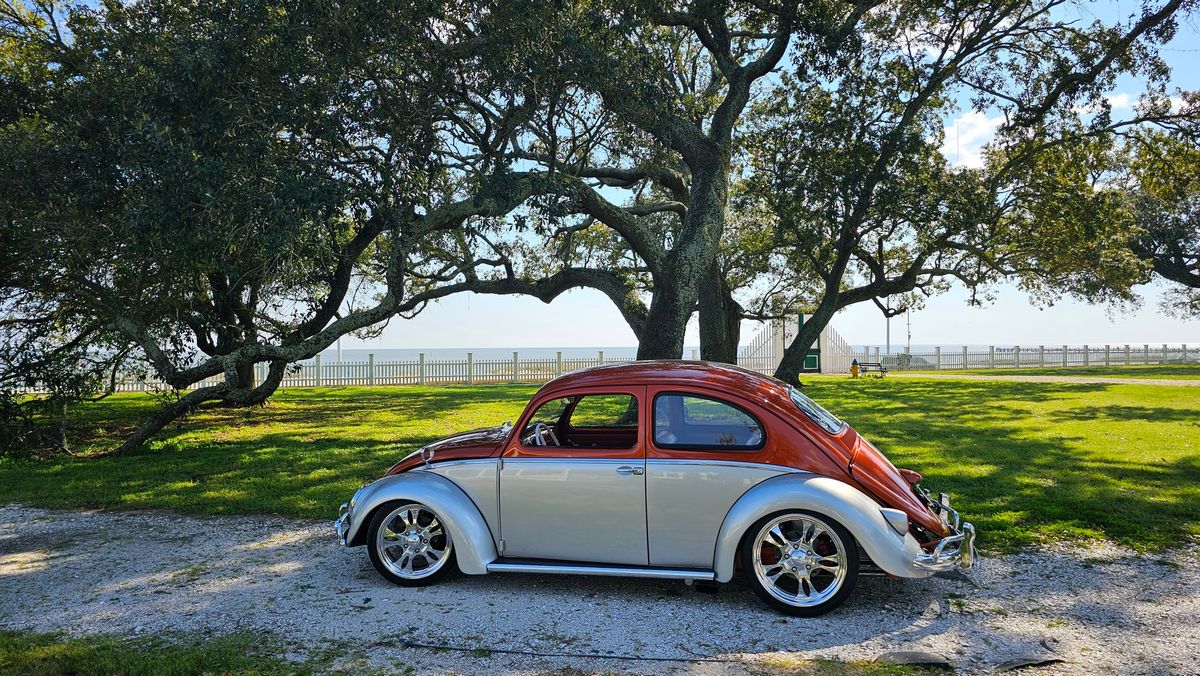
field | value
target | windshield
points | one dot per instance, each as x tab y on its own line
819	415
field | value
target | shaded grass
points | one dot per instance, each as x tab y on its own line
1034	462
1163	371
49	654
1025	462
303	453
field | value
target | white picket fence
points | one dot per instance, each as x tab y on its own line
422	371
1040	356
835	358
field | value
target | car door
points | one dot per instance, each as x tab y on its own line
704	451
584	498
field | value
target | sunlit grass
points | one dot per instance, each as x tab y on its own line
1026	462
1162	372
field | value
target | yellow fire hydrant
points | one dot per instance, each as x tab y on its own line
854	369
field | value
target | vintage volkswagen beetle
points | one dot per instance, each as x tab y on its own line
665	469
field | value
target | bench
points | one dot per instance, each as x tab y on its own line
872	367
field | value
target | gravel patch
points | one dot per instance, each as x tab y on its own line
1099	609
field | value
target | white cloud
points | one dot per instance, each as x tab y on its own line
1118	101
965	138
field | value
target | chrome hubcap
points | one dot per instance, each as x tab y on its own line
412	543
800	560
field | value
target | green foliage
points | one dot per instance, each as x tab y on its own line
52	654
1025	462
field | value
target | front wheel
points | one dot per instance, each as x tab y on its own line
409	544
801	563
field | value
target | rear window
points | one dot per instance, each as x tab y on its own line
828	421
689	421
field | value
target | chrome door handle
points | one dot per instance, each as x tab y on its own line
627	470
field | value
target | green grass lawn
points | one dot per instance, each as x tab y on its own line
51	654
1164	372
1026	462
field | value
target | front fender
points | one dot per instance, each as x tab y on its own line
835	499
473	543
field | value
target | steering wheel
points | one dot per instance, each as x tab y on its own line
543	433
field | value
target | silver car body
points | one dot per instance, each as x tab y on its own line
656	518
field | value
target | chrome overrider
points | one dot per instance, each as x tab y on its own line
956	550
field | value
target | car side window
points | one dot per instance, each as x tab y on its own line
695	422
602	421
605	410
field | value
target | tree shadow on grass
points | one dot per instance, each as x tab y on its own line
1023	461
1144	413
1022	473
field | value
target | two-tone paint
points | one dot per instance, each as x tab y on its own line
658	511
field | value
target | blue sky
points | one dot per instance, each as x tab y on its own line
587	318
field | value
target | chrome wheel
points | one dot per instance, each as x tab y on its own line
412	543
799	560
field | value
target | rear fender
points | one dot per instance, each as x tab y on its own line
473	543
847	505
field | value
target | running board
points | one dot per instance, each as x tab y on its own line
592	569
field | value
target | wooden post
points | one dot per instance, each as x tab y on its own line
421	368
558	364
937	358
470	368
318	370
516	366
370	368
991	356
1041	355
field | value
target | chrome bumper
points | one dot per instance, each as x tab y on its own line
342	524
956	550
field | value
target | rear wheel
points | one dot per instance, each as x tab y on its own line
409	544
801	563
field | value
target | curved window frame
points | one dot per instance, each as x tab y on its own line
825	421
652	432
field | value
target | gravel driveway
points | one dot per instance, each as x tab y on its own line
1100	610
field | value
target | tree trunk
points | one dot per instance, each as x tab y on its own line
245	376
670	308
165	416
792	364
720	317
